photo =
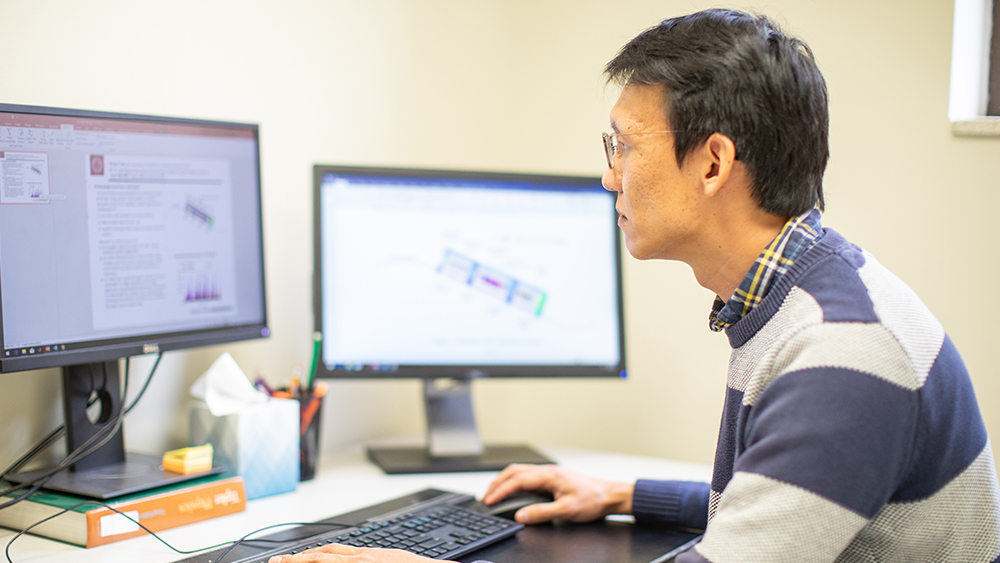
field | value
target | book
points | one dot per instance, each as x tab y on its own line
91	525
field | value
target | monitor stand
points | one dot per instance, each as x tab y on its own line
453	443
107	472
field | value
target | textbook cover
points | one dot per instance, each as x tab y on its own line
91	525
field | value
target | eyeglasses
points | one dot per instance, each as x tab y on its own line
612	143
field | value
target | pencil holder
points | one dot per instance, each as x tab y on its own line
310	409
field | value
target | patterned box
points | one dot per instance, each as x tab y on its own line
260	443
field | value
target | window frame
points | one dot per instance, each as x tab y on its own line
972	47
993	102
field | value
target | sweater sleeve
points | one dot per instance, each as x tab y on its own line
680	503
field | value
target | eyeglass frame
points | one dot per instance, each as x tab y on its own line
610	144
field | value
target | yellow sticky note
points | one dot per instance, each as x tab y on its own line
188	460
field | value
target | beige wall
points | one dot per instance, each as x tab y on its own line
511	85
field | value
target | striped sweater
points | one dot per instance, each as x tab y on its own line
850	431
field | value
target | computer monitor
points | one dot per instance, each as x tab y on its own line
122	235
451	276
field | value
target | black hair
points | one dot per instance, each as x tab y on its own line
737	74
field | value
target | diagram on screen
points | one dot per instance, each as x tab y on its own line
199	213
199	285
493	282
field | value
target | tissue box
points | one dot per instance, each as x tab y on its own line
260	443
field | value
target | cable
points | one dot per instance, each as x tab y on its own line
149	378
39	447
102	437
231	544
51	437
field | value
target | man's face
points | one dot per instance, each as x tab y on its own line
657	199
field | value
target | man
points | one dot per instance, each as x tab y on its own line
850	429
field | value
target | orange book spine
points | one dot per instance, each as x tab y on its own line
165	511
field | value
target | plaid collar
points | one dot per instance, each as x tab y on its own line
797	236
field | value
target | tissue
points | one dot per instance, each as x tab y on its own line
225	388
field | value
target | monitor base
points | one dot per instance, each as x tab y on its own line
396	461
139	472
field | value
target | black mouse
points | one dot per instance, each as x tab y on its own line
515	501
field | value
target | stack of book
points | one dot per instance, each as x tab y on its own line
91	525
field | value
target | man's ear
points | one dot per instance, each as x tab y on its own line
718	156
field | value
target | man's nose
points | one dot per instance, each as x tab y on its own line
611	180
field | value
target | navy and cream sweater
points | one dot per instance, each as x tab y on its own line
850	432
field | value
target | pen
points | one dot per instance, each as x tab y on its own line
317	341
259	383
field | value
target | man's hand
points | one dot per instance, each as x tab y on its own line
578	498
336	553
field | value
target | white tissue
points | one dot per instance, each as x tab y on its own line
225	388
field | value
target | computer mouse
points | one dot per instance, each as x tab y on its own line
516	501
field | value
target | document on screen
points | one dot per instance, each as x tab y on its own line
140	275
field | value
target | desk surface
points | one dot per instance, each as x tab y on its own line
345	481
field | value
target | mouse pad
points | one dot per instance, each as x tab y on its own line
594	542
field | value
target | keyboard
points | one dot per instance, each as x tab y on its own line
433	523
441	532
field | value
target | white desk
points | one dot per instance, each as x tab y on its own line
345	481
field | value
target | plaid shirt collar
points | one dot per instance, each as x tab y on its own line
797	236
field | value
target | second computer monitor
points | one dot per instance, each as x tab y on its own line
461	275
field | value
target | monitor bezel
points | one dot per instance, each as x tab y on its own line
112	349
454	371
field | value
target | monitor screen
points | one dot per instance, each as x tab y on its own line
434	274
123	234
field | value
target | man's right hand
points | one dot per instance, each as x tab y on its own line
578	498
